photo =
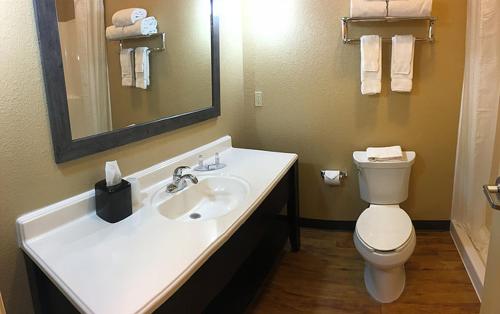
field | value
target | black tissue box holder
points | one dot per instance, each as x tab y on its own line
113	203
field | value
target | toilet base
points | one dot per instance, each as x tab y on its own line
385	285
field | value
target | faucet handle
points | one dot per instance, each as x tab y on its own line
200	162
217	159
178	171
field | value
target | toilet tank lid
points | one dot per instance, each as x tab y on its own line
361	160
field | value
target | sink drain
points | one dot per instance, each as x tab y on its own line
195	216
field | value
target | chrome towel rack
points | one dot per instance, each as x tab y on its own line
142	37
346	20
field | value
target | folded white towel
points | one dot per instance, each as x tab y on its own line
128	17
403	48
145	26
368	8
127	66
384	153
370	56
142	67
371	64
409	7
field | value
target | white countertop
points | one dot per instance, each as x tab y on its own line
135	265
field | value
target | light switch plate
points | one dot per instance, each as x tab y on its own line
259	101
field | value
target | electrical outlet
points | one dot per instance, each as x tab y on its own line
259	100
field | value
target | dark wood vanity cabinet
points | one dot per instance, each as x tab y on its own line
229	280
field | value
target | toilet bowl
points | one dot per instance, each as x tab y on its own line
384	234
385	238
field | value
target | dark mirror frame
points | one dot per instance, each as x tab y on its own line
65	148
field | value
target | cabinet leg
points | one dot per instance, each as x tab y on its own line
293	212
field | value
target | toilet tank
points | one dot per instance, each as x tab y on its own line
384	182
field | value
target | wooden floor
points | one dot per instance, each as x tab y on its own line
326	276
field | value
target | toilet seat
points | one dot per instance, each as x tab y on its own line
384	228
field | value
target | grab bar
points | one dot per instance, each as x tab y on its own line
492	193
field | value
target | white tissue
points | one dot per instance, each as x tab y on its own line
113	174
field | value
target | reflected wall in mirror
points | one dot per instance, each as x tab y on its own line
180	76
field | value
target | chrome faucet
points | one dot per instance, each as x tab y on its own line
179	182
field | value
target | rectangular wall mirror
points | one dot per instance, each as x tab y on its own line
112	79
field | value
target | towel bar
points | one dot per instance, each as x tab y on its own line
346	20
162	35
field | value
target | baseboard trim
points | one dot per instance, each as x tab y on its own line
434	225
349	225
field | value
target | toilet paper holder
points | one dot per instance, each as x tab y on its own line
342	174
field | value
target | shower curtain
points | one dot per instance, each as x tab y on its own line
90	27
478	121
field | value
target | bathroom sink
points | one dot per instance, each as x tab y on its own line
212	197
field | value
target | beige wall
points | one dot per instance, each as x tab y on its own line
313	106
180	76
30	179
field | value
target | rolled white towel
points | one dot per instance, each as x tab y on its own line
145	26
403	50
371	64
128	17
384	153
368	8
409	8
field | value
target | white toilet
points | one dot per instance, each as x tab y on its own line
384	234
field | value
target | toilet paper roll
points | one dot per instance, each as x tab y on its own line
331	177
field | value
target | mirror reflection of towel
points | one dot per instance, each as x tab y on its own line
128	17
127	66
145	26
142	67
